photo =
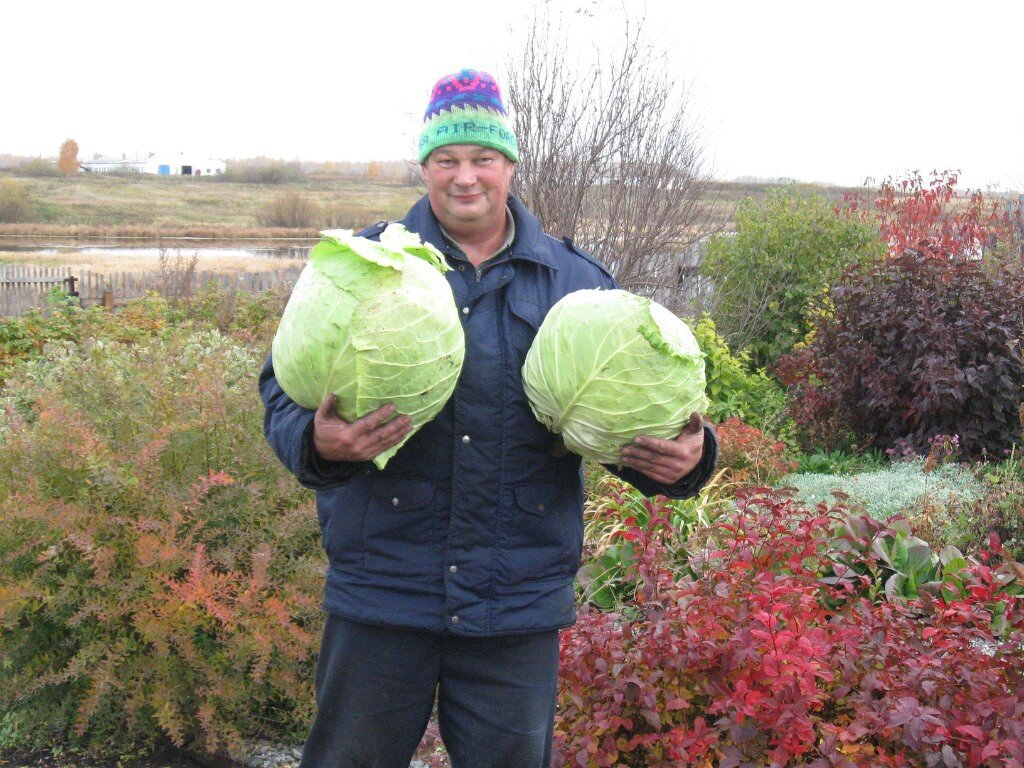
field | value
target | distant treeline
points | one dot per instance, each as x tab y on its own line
261	170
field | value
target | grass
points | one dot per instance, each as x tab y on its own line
143	205
139	205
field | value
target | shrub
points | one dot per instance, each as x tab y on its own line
920	346
37	167
734	387
14	202
999	509
617	517
786	250
260	171
160	575
292	209
812	405
755	662
751	456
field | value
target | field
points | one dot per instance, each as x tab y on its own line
95	205
147	206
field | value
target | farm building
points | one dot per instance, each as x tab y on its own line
161	165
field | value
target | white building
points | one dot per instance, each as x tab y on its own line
160	165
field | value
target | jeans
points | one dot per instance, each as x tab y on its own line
376	686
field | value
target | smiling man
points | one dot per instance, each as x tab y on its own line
451	571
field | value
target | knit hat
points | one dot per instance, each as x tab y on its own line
466	108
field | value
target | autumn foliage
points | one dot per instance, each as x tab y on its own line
753	659
927	340
160	574
751	456
67	161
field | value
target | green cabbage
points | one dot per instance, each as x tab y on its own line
374	323
607	366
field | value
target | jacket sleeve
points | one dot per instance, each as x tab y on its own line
688	486
288	428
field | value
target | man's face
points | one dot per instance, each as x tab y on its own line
468	186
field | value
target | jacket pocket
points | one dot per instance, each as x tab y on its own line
525	319
547	532
341	510
402	531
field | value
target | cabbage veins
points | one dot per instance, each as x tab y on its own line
607	366
374	323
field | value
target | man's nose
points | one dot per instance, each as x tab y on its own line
465	175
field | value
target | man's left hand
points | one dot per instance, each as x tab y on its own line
667	461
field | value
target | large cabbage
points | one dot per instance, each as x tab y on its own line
374	323
607	366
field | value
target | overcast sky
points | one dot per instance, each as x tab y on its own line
817	90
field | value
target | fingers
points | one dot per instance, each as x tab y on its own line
328	407
338	440
667	461
695	426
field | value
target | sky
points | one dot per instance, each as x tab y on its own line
824	91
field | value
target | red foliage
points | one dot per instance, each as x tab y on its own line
934	220
811	403
752	457
755	662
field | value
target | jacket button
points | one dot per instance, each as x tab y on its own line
465	310
465	438
455	619
540	507
453	569
394	502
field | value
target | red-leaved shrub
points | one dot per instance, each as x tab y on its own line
757	662
751	456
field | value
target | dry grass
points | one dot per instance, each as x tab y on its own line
97	205
148	259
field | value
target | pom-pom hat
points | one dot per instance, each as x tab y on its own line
466	108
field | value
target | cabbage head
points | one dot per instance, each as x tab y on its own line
607	366
374	323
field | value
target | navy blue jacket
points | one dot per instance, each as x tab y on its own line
475	526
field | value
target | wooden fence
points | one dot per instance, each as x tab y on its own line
25	287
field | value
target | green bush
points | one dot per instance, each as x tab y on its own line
259	172
999	509
250	318
37	168
160	574
786	250
15	205
734	387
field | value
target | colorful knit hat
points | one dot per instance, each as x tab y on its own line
466	108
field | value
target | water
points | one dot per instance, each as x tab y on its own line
151	249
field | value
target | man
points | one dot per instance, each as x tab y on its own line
451	571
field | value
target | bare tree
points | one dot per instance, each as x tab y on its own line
610	156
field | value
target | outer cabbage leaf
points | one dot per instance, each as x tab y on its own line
373	323
607	366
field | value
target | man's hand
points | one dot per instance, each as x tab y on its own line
337	440
668	461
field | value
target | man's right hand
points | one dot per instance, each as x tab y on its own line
336	440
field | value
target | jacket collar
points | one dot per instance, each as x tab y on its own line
530	244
